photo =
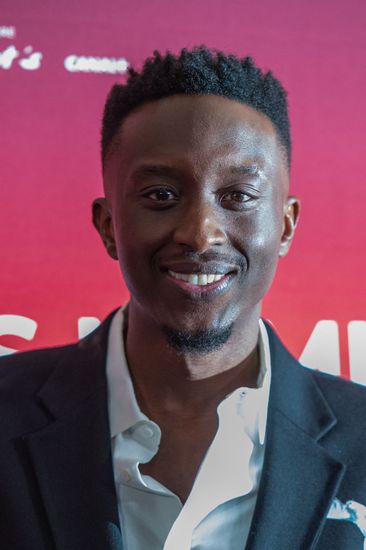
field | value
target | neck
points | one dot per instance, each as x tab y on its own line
169	381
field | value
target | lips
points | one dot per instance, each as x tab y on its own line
197	285
199	279
204	277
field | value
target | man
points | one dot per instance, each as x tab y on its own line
182	422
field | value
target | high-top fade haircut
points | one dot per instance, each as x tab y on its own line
199	71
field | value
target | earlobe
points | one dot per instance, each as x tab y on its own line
290	220
102	221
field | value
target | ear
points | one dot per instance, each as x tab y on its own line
103	223
290	219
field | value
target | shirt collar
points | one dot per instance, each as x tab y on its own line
123	409
264	380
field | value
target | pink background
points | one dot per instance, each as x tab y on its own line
53	267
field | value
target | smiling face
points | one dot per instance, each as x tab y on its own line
196	211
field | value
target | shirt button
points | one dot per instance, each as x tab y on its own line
145	431
125	475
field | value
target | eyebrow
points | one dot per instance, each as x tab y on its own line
246	169
162	170
155	170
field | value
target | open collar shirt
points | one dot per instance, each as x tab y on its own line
220	506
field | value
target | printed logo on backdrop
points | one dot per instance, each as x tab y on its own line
7	31
30	60
89	64
11	56
27	59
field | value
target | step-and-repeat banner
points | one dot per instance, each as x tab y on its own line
57	63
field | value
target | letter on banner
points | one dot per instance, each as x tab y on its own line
357	351
86	325
16	325
322	349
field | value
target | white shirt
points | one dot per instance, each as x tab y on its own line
219	509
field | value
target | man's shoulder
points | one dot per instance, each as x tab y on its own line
342	394
51	381
29	368
22	377
346	398
39	362
332	382
33	357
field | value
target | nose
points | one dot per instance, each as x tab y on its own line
200	227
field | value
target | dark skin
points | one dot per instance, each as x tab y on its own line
194	184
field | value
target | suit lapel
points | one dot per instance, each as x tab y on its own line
72	455
300	478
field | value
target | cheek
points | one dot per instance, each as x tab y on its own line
135	224
260	243
266	243
137	240
260	233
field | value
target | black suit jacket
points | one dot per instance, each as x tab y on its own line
56	481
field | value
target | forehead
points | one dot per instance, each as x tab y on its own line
207	130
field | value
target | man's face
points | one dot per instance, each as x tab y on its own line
197	211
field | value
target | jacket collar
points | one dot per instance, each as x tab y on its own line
300	477
78	374
71	456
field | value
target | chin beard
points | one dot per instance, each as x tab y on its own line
200	341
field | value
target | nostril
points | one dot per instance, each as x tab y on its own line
199	235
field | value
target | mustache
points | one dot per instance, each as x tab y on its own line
210	257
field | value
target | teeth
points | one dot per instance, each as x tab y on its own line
192	279
200	279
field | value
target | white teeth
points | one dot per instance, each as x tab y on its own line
193	279
200	279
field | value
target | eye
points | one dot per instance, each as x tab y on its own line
237	197
161	194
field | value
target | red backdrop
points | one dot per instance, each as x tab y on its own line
53	268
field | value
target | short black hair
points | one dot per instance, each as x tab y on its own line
197	71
